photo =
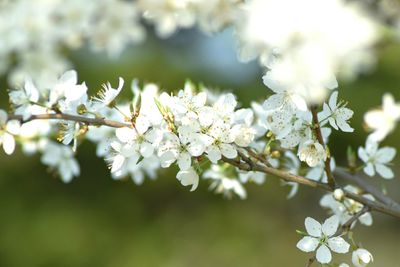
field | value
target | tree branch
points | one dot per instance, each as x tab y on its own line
373	205
68	117
363	184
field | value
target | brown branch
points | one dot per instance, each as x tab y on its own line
373	205
318	134
68	117
364	185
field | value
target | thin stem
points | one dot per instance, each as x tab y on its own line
347	225
310	261
318	134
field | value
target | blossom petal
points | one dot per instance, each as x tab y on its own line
330	225
384	171
338	245
8	143
324	255
307	244
184	161
313	227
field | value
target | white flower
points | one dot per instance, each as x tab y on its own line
188	177
251	176
221	145
377	159
383	121
322	237
312	152
361	257
180	149
67	87
23	99
336	114
7	131
69	132
125	156
108	94
223	184
61	158
346	208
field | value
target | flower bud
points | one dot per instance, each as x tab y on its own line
338	194
361	257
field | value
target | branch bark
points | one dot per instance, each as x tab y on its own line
68	117
373	205
363	184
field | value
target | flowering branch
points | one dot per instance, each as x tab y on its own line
205	136
341	172
373	205
68	117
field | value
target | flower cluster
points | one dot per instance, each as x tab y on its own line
204	134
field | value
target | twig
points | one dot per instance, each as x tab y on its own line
363	184
373	205
347	225
318	134
68	117
310	261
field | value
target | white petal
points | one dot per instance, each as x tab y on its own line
125	134
228	151
213	154
307	244
146	149
333	100
385	154
324	255
338	245
117	163
8	143
363	154
313	227
142	124
13	127
330	225
184	161
384	171
366	219
369	169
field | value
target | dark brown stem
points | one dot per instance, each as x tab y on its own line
318	134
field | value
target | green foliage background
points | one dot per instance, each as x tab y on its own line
95	221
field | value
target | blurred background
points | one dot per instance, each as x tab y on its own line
95	221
